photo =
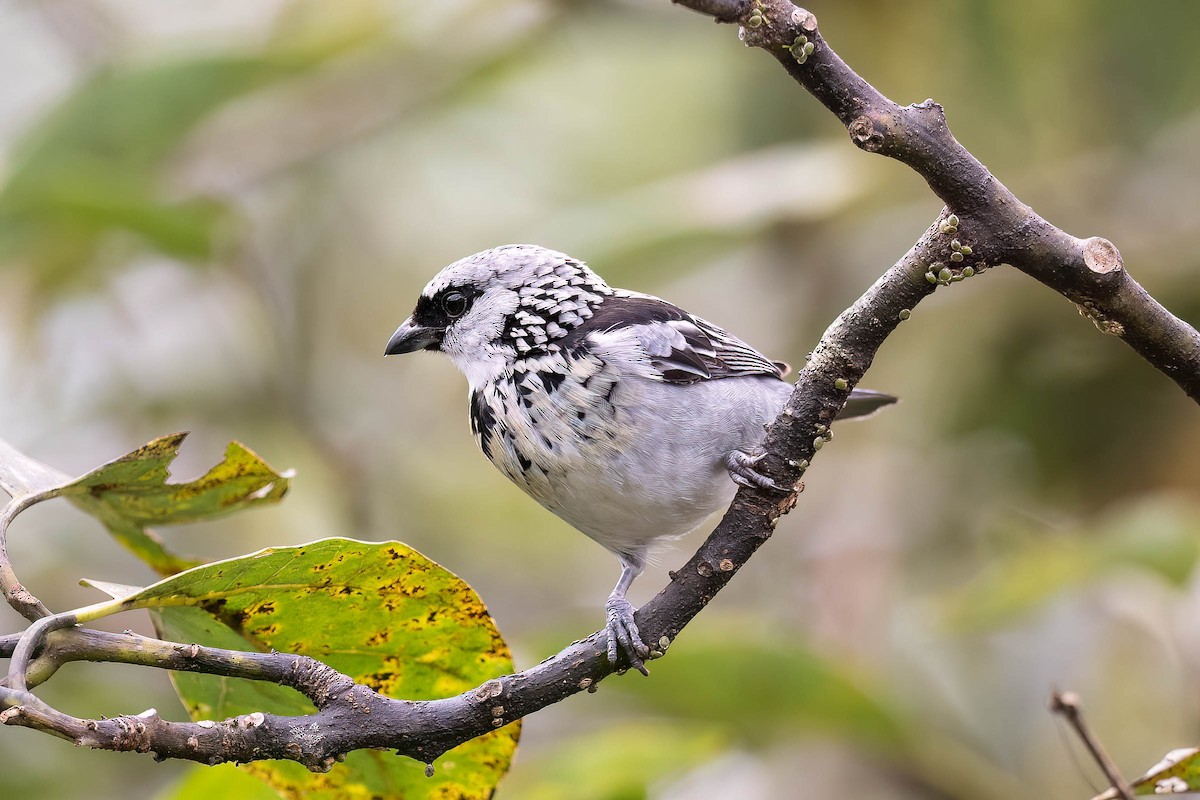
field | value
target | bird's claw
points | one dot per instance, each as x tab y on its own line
623	634
743	469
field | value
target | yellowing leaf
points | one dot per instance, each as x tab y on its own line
379	612
132	493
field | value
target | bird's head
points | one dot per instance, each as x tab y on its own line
490	309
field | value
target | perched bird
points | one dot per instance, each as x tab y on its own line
623	414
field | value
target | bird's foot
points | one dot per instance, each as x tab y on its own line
743	468
623	633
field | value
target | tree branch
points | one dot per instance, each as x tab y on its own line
15	593
720	10
84	644
27	482
996	226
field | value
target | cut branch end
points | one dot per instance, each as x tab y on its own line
1101	256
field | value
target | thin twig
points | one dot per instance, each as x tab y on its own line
15	593
302	673
1067	705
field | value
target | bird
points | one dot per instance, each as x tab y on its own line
621	413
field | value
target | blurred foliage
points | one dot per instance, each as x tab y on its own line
213	215
796	689
96	164
1158	536
619	763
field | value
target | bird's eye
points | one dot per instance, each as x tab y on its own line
454	304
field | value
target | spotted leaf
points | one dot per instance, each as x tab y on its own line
379	612
131	493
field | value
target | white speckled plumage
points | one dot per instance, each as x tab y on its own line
617	411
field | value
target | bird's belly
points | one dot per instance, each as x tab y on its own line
652	467
627	505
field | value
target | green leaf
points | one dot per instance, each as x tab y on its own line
132	493
1177	773
213	696
379	612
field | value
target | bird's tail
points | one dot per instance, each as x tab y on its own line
864	402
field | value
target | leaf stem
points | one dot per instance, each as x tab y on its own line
36	633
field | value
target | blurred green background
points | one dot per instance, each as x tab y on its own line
213	215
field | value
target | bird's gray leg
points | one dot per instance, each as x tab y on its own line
622	630
742	468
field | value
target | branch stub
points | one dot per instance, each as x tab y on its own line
1101	256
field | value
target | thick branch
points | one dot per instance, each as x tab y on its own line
720	10
997	226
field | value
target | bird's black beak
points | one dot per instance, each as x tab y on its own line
410	337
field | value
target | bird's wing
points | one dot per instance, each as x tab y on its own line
680	347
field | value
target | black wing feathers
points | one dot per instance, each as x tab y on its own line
707	352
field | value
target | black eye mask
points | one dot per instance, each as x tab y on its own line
444	307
